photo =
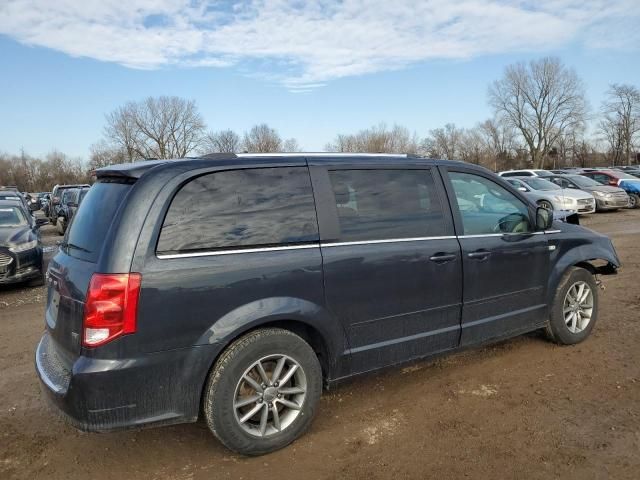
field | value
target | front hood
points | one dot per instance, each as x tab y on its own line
577	194
603	189
13	235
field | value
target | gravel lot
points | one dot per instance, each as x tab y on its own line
524	408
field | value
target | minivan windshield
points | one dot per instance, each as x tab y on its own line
90	225
540	184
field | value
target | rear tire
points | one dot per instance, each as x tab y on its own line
575	308
244	380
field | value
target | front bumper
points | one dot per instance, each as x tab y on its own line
611	204
23	266
100	395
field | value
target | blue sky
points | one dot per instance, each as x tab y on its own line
311	69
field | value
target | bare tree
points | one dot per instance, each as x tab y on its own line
542	100
262	139
499	139
621	122
162	127
223	141
610	133
378	139
444	142
291	145
102	154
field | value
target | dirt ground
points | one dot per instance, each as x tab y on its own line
524	408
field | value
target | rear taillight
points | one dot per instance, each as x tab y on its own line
111	308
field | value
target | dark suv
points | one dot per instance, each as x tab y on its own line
237	287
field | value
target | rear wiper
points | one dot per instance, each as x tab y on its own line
76	247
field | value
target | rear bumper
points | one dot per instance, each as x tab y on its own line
101	395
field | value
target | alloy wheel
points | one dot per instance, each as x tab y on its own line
578	307
269	395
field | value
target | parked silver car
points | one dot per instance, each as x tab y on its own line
553	197
607	197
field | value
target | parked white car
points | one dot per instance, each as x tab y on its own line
553	197
525	173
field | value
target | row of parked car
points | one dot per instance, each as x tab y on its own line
580	190
20	249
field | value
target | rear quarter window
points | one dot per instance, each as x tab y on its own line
241	208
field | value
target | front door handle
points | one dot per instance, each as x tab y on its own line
479	254
443	257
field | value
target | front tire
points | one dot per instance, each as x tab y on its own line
263	391
575	308
634	200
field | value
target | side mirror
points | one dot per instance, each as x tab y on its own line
544	218
41	221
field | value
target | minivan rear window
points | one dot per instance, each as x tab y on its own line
241	208
90	225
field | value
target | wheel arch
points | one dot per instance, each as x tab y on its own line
311	322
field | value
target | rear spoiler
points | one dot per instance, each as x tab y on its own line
131	171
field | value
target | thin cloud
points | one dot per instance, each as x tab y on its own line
304	44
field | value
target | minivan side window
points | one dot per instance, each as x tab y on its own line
488	208
387	204
241	208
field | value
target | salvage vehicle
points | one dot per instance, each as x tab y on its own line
607	197
234	287
69	203
20	249
628	183
56	197
553	197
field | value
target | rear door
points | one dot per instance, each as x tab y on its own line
505	262
391	262
70	270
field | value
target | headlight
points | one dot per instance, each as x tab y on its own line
601	194
609	195
24	247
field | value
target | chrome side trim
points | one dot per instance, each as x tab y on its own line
390	240
211	253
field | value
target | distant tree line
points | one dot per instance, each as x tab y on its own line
541	119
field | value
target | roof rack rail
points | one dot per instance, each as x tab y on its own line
321	154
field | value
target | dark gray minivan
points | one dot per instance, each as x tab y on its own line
236	287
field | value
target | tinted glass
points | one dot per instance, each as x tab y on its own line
241	208
386	204
91	222
517	173
486	207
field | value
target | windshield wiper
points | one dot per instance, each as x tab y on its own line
75	247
